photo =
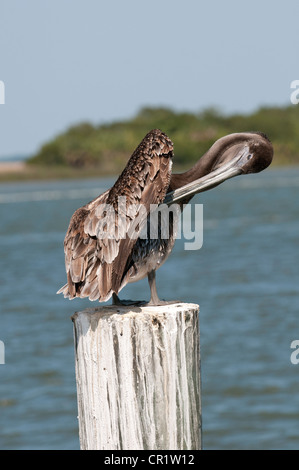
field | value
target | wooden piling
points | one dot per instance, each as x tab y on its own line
138	377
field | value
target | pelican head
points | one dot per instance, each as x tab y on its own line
230	156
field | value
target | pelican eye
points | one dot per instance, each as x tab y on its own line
249	156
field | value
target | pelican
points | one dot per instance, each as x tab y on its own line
101	258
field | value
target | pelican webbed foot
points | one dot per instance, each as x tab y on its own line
162	302
126	303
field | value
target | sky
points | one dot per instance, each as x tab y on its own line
67	61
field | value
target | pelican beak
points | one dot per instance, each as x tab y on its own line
224	172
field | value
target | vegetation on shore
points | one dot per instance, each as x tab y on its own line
88	150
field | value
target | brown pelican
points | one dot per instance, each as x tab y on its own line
99	266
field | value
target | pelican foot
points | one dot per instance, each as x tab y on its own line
162	302
133	303
125	303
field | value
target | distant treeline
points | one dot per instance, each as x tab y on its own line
107	147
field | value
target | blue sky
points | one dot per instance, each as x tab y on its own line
65	61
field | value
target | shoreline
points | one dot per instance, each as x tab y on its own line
20	171
12	167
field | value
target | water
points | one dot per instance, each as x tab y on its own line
245	278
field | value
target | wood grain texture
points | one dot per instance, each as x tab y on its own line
138	377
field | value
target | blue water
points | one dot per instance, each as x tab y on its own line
245	278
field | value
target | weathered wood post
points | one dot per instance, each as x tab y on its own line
138	377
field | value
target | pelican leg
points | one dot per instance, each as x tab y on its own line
116	300
154	294
152	283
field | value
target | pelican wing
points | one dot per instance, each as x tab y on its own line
82	254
